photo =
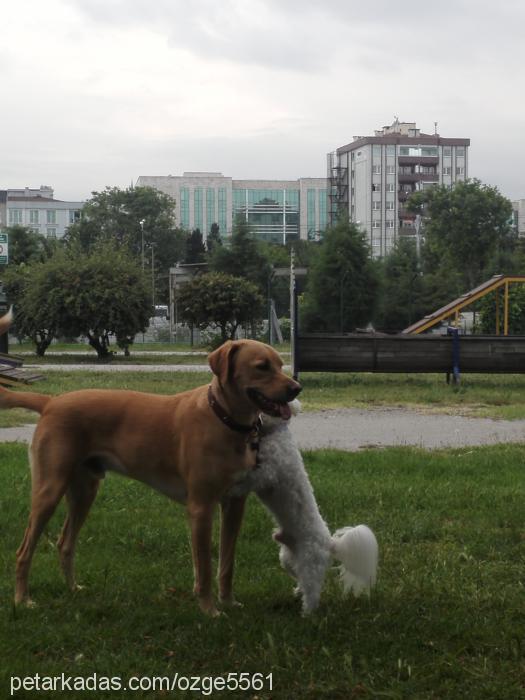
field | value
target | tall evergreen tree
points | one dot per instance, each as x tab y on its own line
244	257
214	238
401	298
195	248
342	285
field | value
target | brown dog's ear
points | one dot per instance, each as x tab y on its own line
221	360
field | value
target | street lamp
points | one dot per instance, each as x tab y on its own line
153	276
142	222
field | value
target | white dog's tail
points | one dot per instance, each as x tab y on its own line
356	549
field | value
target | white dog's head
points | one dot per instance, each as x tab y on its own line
272	422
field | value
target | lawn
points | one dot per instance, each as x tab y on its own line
447	618
482	395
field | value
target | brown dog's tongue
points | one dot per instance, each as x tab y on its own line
285	411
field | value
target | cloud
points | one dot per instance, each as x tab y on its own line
254	33
251	87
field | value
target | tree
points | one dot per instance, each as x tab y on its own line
214	238
25	246
134	218
516	317
33	319
342	285
195	248
243	257
97	295
222	301
401	295
464	226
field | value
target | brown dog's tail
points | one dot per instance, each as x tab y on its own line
6	321
15	399
23	399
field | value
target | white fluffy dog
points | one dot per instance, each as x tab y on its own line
306	546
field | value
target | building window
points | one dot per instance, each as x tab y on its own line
391	150
376	187
74	216
310	211
222	210
390	169
376	206
390	223
323	207
460	150
390	187
447	170
51	216
210	207
447	151
376	223
15	216
376	169
197	208
185	207
460	170
51	233
34	216
390	206
35	230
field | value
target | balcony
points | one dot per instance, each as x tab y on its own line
417	177
418	160
408	176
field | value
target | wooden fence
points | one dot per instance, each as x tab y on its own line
361	352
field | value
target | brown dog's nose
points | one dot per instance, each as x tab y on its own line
293	391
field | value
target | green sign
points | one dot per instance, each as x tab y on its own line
4	248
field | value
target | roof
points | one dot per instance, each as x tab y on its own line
401	139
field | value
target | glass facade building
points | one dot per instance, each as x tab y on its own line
278	211
272	213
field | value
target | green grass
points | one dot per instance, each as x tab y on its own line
481	395
60	382
446	620
154	348
84	347
91	359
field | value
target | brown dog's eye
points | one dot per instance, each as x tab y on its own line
263	366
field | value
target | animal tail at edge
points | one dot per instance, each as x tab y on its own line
356	548
23	399
15	399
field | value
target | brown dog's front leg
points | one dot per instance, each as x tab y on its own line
232	511
201	520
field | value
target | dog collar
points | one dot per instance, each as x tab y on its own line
253	430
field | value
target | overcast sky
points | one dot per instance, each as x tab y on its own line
98	92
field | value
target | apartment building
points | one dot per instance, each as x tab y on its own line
372	177
518	216
38	210
277	210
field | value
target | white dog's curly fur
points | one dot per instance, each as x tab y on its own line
306	545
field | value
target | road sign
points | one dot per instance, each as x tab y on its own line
4	248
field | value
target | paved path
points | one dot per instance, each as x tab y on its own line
110	367
355	429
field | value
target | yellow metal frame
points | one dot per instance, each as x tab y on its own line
469	298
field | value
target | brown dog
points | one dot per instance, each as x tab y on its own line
191	446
